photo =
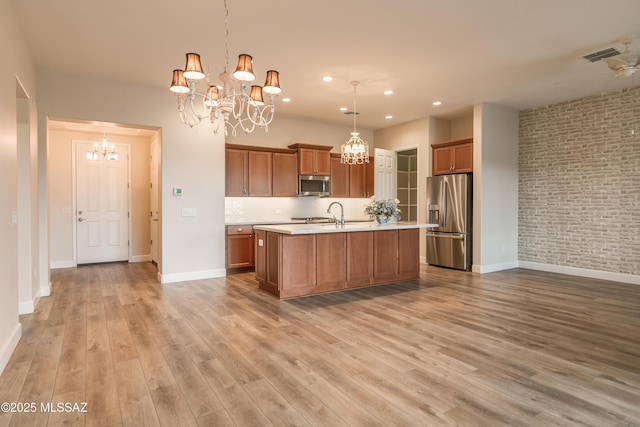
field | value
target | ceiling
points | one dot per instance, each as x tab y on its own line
509	52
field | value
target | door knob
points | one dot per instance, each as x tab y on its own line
80	219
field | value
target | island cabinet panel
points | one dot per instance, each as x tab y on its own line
408	253
271	283
331	251
359	259
297	265
385	255
285	174
260	255
290	265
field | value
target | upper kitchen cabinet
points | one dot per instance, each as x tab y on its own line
236	172
285	174
452	157
249	171
260	173
361	180
313	159
339	177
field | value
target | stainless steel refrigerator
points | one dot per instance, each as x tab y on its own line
449	203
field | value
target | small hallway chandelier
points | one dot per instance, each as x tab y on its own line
222	103
355	151
108	152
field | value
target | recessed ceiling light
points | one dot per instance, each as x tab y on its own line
388	117
343	108
437	102
327	78
286	99
388	92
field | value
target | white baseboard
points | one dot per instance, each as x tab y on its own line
45	291
192	275
494	267
6	350
62	264
140	258
28	307
583	272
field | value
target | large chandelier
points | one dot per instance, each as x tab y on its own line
246	109
355	151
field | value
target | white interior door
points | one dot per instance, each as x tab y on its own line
385	170
153	169
102	204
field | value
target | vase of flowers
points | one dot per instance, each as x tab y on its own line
383	210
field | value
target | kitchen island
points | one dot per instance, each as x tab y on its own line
296	260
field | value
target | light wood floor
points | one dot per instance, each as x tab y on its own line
514	348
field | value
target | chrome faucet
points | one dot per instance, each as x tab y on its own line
341	211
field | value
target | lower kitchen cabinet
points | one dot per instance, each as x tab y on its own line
359	259
260	254
239	246
295	265
385	255
408	253
330	266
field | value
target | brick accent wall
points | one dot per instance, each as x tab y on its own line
579	183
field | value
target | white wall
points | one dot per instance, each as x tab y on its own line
192	159
414	134
495	188
16	64
285	131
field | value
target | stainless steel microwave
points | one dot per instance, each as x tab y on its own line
314	185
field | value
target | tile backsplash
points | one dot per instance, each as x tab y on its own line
281	209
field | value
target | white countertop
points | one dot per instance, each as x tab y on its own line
333	228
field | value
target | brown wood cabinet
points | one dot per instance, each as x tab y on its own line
239	246
260	254
285	174
331	269
247	173
313	159
236	172
408	253
361	180
385	255
351	180
260	173
452	157
294	265
340	174
370	178
359	259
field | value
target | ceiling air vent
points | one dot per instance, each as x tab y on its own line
606	53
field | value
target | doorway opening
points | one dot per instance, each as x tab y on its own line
133	145
407	181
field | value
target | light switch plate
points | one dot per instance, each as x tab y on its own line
189	212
